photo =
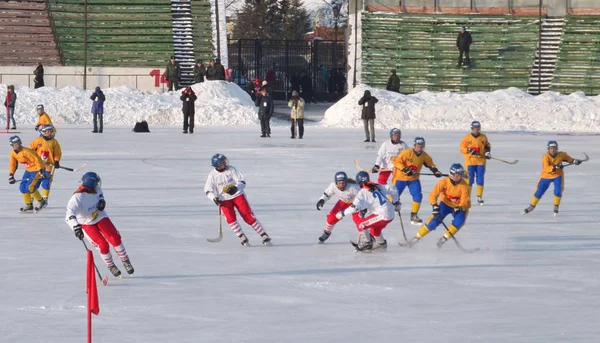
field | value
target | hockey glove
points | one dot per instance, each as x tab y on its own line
397	206
101	205
339	215
56	164
436	172
435	210
42	175
217	201
78	230
577	162
488	155
320	204
230	189
375	169
37	127
557	166
458	209
408	171
473	152
11	179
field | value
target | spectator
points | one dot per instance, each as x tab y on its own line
324	78
250	89
211	71
463	42
307	88
173	74
267	86
38	80
295	82
220	70
199	72
265	105
9	103
188	97
341	81
271	77
296	103
98	99
393	82
368	114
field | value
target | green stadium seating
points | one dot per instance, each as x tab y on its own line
422	48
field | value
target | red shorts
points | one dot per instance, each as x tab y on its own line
241	204
371	223
101	233
384	176
339	206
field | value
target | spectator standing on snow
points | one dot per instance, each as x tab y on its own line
172	74
38	80
211	71
393	83
9	104
307	88
463	43
220	70
199	72
188	97
98	99
296	103
265	105
368	114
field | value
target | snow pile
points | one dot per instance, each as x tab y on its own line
219	103
503	110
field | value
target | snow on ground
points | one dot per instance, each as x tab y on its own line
538	283
503	110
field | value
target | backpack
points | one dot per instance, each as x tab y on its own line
141	127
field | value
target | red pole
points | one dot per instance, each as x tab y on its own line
89	320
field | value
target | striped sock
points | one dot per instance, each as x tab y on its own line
121	252
235	227
257	226
108	259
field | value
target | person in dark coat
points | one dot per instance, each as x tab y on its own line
463	43
295	81
199	72
393	83
264	102
38	80
307	88
368	114
220	70
211	71
98	99
172	74
188	97
9	104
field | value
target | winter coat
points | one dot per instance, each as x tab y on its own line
98	104
39	77
464	40
393	83
211	73
172	73
368	106
220	71
297	109
11	98
199	72
188	103
265	106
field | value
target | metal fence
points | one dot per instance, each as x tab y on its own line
316	69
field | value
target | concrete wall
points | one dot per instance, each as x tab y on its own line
140	78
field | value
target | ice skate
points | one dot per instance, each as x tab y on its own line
380	244
26	208
324	236
43	203
441	242
529	209
128	267
243	240
555	210
480	200
266	240
115	271
415	220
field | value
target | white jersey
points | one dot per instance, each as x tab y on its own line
375	202
217	180
82	209
387	151
347	195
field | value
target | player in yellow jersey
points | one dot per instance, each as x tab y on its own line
477	149
552	173
455	199
407	166
49	151
33	173
43	117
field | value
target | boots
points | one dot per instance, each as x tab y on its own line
531	208
243	239
266	240
26	208
128	267
324	236
114	270
441	241
415	220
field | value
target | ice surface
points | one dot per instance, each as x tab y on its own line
538	283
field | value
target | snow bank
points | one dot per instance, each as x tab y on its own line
219	103
503	110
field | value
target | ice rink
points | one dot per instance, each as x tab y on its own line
537	283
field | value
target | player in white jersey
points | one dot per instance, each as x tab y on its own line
87	218
379	211
346	190
388	150
225	187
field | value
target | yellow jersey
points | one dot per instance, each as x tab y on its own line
478	143
409	159
48	150
44	119
548	163
27	157
451	194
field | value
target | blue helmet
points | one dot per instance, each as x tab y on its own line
362	177
395	131
552	144
475	125
419	141
457	168
91	180
340	176
47	127
218	159
14	139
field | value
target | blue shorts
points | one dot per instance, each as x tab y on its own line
414	187
31	182
544	184
476	173
47	181
459	218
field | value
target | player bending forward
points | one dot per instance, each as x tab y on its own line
552	173
373	199
388	150
33	176
346	190
455	199
225	187
87	218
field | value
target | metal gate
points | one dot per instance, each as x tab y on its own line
316	69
